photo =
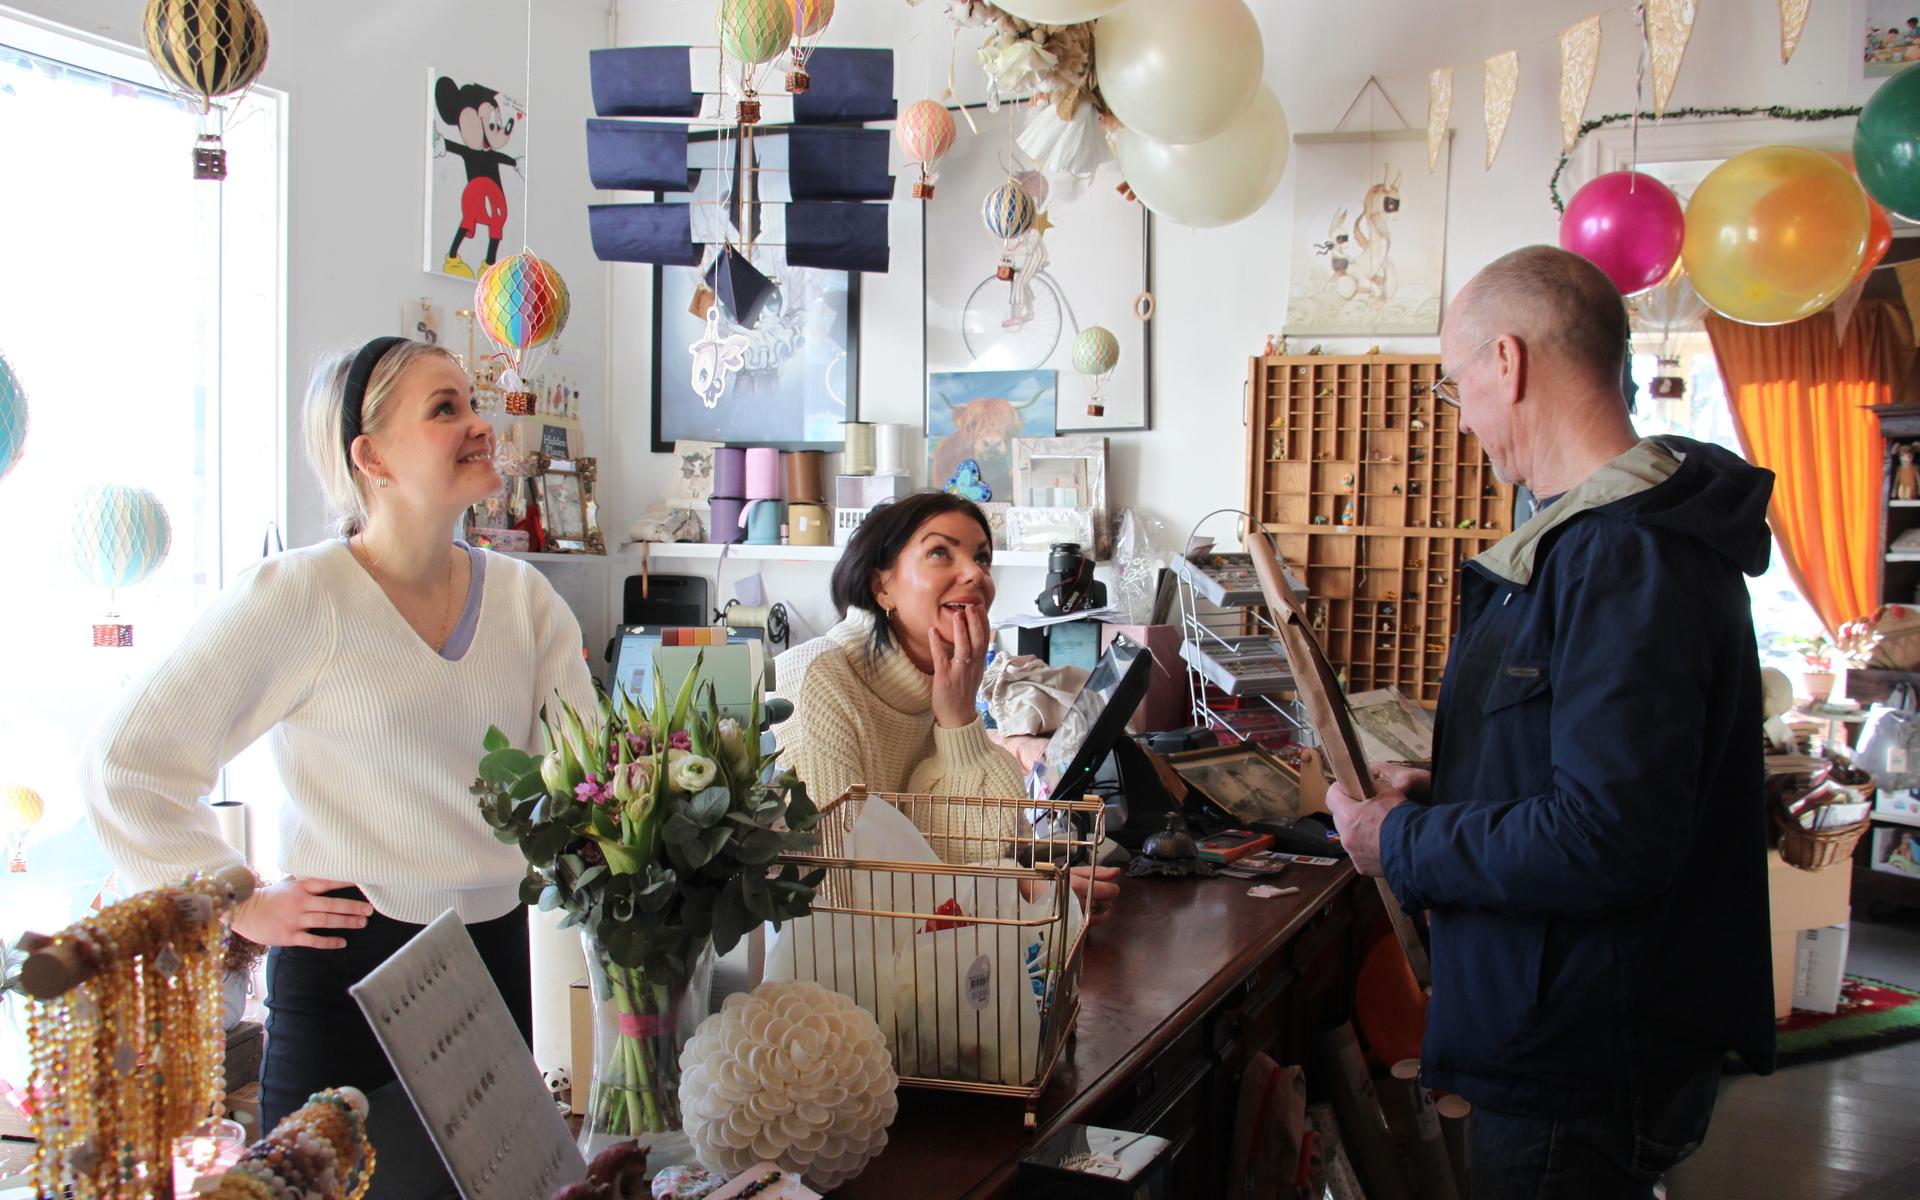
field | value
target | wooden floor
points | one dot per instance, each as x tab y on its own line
1842	1130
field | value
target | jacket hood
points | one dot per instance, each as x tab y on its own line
1694	488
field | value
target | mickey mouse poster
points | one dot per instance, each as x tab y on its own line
474	173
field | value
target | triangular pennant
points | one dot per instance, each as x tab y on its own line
1502	77
1579	55
1669	26
1793	22
1843	308
1439	112
1908	273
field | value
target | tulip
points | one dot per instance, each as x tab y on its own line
558	775
692	774
733	750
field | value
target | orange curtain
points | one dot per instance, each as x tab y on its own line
1800	400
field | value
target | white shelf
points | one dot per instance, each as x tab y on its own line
1903	557
821	554
550	556
1903	504
1894	818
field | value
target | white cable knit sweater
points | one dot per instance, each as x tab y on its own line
872	723
376	736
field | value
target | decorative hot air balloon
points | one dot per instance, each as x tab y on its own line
752	34
925	133
13	417
207	49
20	810
120	535
1008	213
522	304
810	19
1095	353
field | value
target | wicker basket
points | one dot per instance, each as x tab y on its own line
1818	849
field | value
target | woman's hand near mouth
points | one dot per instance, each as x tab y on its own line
959	654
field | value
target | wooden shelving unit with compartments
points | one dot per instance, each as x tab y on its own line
1375	497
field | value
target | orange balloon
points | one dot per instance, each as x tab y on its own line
1879	225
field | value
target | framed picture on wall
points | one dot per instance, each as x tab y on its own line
1088	261
800	377
474	164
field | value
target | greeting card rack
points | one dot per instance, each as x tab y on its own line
1375	497
1238	680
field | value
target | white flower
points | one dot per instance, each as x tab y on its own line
1015	65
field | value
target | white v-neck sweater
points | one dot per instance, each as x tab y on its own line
870	721
376	736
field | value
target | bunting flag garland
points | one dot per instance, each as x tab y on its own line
1793	22
1908	273
1669	26
1844	306
1579	57
1502	82
1439	112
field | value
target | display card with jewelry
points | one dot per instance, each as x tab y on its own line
766	1182
447	1032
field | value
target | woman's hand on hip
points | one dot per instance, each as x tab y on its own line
286	913
959	654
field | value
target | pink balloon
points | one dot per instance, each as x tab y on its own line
1629	225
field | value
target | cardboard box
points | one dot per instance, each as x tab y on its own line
1801	900
866	491
1166	704
580	1031
1819	965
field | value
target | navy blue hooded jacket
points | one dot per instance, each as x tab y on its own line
1593	862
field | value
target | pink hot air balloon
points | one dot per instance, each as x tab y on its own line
926	133
1629	225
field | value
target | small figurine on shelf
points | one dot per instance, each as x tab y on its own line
1396	489
1416	425
1469	523
1271	348
1319	621
1320	518
1906	477
1346	512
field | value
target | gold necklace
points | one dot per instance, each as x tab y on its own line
446	623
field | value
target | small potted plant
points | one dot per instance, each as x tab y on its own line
1816	666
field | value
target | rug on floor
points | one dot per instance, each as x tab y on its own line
1872	1014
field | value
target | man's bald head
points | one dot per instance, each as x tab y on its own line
1562	307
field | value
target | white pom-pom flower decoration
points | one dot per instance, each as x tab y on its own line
790	1073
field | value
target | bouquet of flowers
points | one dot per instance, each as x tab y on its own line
656	832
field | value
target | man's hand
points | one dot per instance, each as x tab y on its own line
1359	820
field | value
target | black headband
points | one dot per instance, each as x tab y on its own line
356	394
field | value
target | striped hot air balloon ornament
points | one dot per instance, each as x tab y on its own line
1008	213
810	19
120	535
925	133
207	49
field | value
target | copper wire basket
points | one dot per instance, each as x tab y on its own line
1817	846
971	965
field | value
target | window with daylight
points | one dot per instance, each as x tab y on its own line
142	317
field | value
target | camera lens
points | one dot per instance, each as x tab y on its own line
1063	557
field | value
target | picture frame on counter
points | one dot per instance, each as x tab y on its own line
1064	473
1031	528
568	511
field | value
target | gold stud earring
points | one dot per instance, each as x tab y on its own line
383	481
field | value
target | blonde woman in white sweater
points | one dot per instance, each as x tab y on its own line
374	664
886	697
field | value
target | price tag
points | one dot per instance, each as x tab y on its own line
1896	760
979	982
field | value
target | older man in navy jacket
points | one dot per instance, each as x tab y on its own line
1592	855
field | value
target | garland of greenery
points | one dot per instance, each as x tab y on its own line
1778	112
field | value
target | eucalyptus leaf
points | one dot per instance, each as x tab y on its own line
589	875
759	848
621	859
495	740
707	807
732	920
528	785
549	898
530	889
680	830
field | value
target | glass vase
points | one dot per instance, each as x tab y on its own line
640	1025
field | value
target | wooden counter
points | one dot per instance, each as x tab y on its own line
1186	982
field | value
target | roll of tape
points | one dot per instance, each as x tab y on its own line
858	457
762	521
893	451
806	475
763	473
725	523
730	471
808	525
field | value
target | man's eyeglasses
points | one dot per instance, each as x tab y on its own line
1446	387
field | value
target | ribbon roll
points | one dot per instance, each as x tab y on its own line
761	520
727	517
730	472
891	450
858	457
807	525
763	473
805	471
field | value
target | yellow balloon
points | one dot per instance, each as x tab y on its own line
20	808
1774	234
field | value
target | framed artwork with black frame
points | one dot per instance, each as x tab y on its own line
801	379
1097	269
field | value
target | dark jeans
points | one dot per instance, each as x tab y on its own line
316	1035
1618	1156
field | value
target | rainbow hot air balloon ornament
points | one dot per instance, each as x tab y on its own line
1095	354
207	49
810	19
522	304
925	133
1008	213
120	535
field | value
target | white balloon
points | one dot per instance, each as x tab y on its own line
1178	71
1215	182
1059	12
